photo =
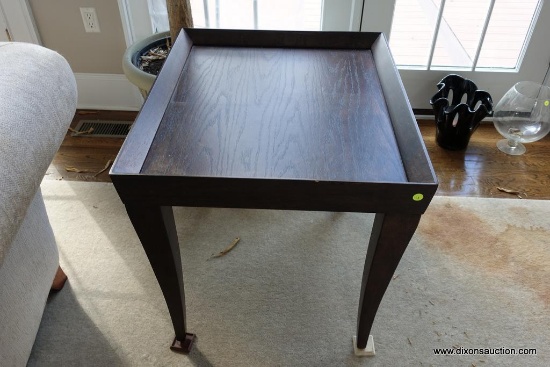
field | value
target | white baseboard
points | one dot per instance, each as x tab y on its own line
107	92
431	117
424	117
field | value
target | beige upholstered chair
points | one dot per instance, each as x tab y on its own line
37	103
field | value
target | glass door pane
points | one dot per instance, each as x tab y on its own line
414	23
290	15
258	14
470	33
508	33
513	48
306	15
460	33
234	14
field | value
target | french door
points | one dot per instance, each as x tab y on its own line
495	43
16	22
445	36
311	15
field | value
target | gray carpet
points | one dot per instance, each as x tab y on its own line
474	276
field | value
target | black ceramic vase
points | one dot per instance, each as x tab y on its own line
456	121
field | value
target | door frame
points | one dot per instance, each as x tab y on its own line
378	16
19	20
136	21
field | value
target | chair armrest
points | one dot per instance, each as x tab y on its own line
38	98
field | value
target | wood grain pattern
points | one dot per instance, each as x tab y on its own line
474	173
413	152
390	236
274	194
135	150
481	168
87	153
275	128
277	113
285	39
156	230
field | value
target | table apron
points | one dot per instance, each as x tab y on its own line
275	194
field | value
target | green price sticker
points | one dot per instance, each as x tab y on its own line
418	197
547	103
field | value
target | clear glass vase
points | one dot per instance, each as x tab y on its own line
522	116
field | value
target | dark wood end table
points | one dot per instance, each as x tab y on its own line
276	120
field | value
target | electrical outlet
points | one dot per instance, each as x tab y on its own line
89	17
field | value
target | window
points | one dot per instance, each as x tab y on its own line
246	14
472	35
258	14
495	43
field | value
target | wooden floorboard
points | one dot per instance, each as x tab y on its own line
477	172
87	154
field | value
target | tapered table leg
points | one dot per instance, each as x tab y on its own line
156	229
390	236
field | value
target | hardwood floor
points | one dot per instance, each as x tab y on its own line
477	171
481	168
87	153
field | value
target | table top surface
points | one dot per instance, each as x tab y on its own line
277	113
277	120
311	106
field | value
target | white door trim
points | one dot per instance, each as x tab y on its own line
377	16
345	15
4	31
20	21
136	21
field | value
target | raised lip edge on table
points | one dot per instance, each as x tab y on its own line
412	150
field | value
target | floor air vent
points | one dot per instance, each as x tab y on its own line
102	128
